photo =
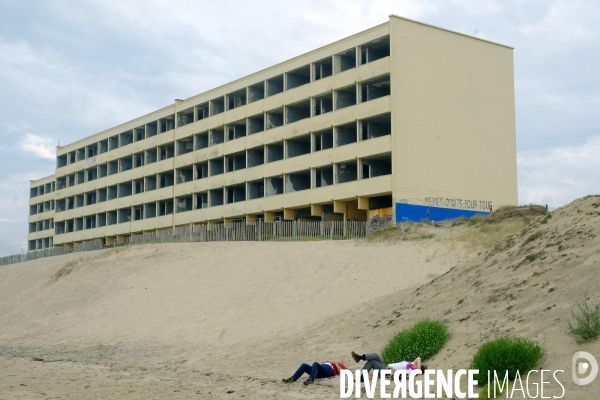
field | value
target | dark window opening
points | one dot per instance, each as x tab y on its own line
138	186
185	174
236	99
216	197
322	68
151	156
235	193
375	127
256	92
345	60
202	111
375	50
151	129
185	117
92	150
256	156
201	141
217	106
113	167
216	166
101	195
274	152
346	134
165	207
166	179
298	77
298	146
236	161
126	138
297	181
323	140
201	170
274	118
217	136
184	203
323	104
345	97
256	124
150	210
274	85
375	88
125	189
166	151
324	176
298	111
274	185
150	183
346	172
125	163
113	142
112	192
256	189
166	124
138	160
201	200
102	170
185	145
124	215
378	165
236	130
139	133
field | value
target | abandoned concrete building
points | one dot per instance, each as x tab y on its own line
400	122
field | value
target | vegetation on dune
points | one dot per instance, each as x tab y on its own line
507	353
424	339
586	326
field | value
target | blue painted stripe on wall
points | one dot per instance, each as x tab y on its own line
416	213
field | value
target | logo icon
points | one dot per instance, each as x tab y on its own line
581	367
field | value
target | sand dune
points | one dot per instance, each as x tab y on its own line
222	320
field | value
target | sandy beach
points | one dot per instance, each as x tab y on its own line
229	320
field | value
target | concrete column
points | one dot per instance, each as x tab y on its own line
269	216
250	219
316	210
109	241
339	206
363	203
288	214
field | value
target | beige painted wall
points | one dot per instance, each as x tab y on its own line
453	117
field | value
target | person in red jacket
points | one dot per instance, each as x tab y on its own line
326	369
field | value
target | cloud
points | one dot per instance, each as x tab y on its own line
559	175
41	147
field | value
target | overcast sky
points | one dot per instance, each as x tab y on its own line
72	69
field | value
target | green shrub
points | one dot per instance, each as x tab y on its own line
587	321
508	353
425	339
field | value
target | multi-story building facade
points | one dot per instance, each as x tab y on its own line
397	119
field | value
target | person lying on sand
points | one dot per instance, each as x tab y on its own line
374	362
317	371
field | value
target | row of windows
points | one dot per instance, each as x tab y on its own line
334	137
41	225
363	168
41	207
39	244
42	189
337	63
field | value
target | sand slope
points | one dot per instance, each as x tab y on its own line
219	320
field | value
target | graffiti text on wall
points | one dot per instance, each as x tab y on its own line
458	203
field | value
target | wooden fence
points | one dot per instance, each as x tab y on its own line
280	231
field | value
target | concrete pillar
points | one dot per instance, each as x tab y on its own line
316	210
288	214
250	219
339	206
363	203
269	216
110	240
